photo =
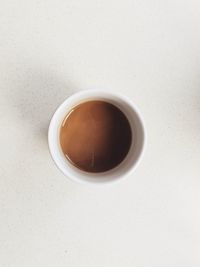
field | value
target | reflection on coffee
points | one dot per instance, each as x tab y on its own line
95	136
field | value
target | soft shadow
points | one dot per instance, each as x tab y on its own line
41	92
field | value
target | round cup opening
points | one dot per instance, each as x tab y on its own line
130	161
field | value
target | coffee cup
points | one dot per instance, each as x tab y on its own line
126	166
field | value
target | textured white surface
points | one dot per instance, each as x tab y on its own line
148	50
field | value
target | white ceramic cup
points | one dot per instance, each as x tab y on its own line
133	157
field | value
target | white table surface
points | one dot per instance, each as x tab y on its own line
150	51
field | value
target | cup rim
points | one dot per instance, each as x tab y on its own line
82	94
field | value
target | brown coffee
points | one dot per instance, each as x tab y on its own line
95	136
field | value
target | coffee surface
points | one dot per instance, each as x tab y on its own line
95	136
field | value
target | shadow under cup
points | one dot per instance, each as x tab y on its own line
135	151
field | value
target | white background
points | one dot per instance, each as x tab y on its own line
150	51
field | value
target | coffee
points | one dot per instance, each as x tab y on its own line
95	136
